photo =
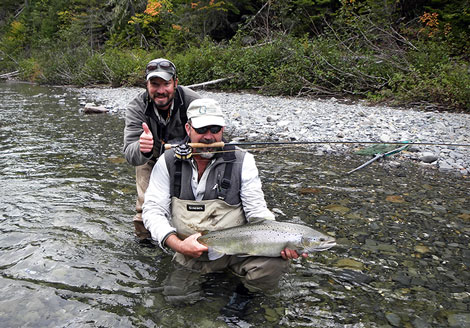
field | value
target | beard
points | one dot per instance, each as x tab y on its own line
206	153
158	102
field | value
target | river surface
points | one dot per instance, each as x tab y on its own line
68	257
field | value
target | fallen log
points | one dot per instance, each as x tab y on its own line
203	84
9	75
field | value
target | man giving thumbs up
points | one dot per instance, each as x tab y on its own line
154	117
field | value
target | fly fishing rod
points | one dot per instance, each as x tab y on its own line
221	144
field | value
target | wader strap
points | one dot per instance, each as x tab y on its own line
177	185
225	183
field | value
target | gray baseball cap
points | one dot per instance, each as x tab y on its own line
162	68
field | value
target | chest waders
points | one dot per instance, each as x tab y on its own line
190	216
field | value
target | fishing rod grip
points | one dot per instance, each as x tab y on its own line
219	144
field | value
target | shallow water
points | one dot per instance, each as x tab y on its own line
68	257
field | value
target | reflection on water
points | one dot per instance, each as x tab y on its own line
68	257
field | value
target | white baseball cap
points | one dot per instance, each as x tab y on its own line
204	112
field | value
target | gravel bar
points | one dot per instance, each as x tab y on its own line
260	118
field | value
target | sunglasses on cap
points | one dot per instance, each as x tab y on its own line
212	128
164	65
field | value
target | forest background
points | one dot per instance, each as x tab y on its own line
403	52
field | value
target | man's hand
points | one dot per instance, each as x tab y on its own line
146	139
288	254
189	246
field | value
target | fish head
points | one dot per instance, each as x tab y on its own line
317	242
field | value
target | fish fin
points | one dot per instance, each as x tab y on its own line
213	254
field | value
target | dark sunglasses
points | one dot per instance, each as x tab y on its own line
164	65
213	128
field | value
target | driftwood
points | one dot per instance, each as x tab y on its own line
91	108
203	84
9	75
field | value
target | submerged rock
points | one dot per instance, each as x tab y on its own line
349	264
393	319
459	320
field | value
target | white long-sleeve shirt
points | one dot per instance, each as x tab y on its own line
156	212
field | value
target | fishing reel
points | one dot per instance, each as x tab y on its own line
183	151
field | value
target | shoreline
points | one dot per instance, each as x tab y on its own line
255	117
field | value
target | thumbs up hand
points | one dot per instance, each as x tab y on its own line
146	139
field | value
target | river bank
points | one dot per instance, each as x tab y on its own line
260	118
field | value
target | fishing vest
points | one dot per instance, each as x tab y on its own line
221	205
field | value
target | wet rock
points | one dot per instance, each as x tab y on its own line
306	191
354	276
393	319
370	242
395	199
439	208
459	320
349	264
337	208
271	315
417	281
422	249
402	278
420	323
353	216
464	216
387	248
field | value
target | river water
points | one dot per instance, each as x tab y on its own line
68	257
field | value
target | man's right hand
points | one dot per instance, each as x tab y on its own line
189	246
146	139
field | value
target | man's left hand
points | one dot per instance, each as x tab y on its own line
288	254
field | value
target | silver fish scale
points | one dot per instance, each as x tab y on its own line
266	238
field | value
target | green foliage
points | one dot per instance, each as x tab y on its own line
199	64
124	67
434	78
12	43
31	70
398	51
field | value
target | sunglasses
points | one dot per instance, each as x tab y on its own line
164	65
212	128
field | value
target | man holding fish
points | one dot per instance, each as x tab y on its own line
213	190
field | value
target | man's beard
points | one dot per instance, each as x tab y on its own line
206	153
160	106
